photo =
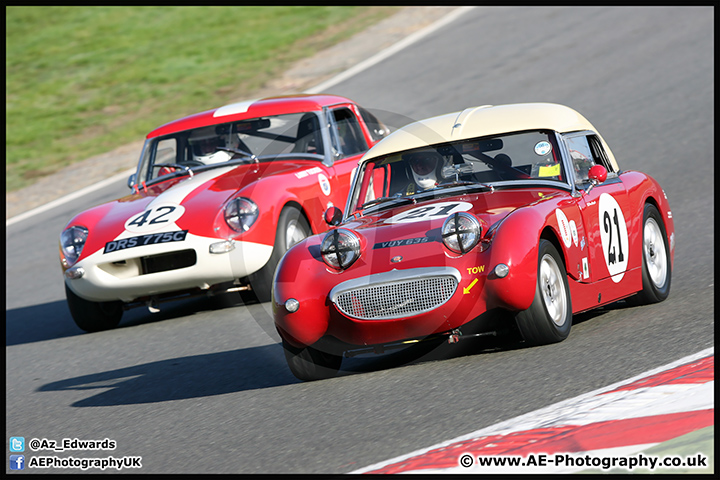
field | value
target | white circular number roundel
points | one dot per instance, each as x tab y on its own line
158	217
614	236
428	212
564	227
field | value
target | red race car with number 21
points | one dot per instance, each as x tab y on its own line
469	222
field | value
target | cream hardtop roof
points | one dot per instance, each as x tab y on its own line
481	121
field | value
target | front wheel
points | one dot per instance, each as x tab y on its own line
93	316
291	229
656	267
549	318
311	364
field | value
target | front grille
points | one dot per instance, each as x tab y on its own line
396	299
168	261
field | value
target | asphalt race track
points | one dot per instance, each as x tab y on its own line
202	387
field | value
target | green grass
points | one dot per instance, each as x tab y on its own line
81	81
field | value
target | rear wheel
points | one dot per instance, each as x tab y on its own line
311	364
292	228
93	316
656	268
549	318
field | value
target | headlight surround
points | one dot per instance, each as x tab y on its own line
240	214
72	241
461	232
340	248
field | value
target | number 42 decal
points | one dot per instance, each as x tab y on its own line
155	218
613	235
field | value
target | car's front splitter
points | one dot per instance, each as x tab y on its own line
131	273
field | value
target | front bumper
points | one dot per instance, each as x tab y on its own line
156	269
383	308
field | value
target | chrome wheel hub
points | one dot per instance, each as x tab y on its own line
654	252
293	233
553	290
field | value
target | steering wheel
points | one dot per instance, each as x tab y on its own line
168	168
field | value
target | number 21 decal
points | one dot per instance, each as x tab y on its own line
436	210
613	235
154	218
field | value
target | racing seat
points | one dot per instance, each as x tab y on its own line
501	170
400	178
308	139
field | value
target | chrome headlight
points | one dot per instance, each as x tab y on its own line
340	248
461	232
72	242
240	214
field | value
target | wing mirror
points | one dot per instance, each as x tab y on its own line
333	216
131	181
597	175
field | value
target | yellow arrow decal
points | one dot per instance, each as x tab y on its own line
466	290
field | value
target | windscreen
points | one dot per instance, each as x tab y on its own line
256	138
520	157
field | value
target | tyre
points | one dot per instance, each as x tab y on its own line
292	228
656	268
93	316
309	364
549	318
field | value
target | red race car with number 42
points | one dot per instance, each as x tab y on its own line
470	222
216	200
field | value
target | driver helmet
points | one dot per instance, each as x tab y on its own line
204	145
424	168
